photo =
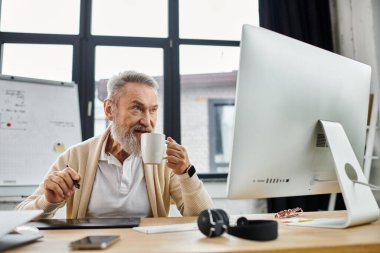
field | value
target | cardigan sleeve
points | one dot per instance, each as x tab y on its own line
189	194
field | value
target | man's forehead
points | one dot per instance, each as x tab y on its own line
138	88
140	93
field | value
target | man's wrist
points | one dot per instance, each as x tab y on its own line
189	172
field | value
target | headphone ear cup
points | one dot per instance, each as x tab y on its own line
223	216
204	224
212	222
222	222
242	221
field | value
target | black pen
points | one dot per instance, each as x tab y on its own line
76	182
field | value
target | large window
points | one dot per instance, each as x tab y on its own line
207	73
190	47
138	18
43	61
40	16
209	54
216	19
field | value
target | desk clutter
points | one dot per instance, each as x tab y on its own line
305	239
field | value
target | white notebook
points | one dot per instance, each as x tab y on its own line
167	228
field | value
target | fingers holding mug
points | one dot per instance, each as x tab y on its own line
177	158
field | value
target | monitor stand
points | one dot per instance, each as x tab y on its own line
361	205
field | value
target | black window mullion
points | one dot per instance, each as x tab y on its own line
87	88
129	41
35	38
202	42
172	92
85	70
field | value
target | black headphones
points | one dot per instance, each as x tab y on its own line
213	223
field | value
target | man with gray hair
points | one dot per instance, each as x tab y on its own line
108	170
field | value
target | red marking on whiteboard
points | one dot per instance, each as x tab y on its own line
9	124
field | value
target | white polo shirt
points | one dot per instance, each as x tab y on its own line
119	189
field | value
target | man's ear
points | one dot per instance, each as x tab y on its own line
108	109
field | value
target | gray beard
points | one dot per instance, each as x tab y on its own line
126	139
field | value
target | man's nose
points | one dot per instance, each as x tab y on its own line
146	120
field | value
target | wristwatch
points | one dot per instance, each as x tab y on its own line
190	170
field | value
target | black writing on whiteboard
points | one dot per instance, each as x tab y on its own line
63	124
13	109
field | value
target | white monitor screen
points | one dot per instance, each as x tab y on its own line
284	87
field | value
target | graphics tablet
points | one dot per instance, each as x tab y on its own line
86	223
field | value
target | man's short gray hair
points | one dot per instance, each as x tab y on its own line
117	82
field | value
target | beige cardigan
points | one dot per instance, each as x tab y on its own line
162	184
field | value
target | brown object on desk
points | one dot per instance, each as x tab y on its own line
365	238
288	213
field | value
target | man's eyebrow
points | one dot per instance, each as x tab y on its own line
136	102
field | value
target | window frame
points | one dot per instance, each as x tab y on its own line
212	104
83	72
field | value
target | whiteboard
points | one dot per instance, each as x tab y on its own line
39	119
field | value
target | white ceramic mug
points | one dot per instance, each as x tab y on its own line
152	147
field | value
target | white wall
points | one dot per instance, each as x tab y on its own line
356	26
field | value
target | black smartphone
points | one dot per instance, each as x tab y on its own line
95	242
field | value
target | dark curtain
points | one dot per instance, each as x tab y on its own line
308	21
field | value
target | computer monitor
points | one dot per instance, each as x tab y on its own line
284	88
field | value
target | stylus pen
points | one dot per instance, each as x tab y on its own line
76	182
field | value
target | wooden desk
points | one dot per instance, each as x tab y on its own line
291	239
